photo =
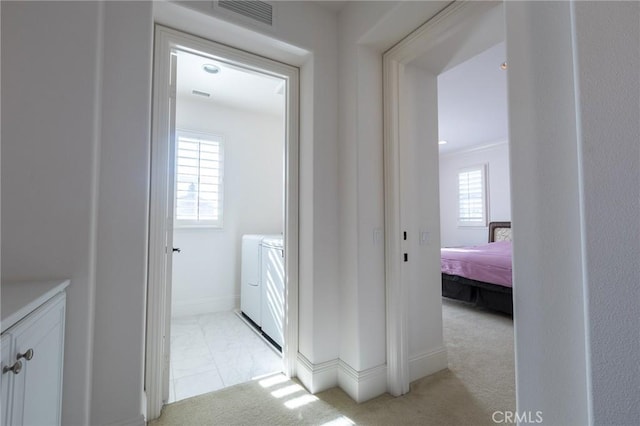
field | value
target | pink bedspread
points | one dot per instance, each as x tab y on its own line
490	263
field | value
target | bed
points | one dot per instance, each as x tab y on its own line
481	274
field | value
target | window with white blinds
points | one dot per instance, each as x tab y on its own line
472	196
199	179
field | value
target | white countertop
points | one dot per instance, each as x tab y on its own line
20	298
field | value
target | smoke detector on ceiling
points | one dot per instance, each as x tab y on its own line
211	68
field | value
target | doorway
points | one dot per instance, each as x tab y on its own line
229	178
206	197
412	229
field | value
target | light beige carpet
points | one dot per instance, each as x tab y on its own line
479	381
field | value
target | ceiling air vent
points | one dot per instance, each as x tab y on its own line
259	11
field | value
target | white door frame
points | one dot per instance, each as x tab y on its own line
160	216
426	37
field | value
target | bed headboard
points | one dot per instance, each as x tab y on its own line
499	231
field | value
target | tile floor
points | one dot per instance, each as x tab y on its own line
214	351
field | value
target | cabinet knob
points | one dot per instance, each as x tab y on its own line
27	355
16	368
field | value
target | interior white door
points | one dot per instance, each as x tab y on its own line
168	266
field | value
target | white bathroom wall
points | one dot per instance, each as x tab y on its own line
496	157
206	274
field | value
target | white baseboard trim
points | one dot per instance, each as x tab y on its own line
136	421
359	385
204	306
428	363
362	385
317	377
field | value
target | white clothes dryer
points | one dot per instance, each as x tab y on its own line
272	289
250	292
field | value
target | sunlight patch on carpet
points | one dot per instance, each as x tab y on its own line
300	401
272	381
287	390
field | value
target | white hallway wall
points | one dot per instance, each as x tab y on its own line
577	235
610	135
422	277
499	193
547	208
206	274
367	29
80	135
32	248
48	189
377	27
73	139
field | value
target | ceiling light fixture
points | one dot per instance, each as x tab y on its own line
211	68
503	66
442	142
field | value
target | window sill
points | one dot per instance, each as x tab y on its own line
478	226
198	226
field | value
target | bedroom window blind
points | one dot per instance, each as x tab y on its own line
472	203
199	180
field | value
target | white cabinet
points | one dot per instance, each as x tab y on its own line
32	352
5	346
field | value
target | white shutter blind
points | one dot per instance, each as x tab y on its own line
199	167
471	197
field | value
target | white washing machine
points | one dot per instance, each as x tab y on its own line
272	272
250	292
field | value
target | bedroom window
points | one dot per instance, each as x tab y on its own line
199	183
472	196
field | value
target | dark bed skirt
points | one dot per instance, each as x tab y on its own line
479	293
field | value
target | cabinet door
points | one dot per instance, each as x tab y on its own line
39	343
6	378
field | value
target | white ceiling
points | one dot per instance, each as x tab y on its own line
232	86
332	5
472	101
472	96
